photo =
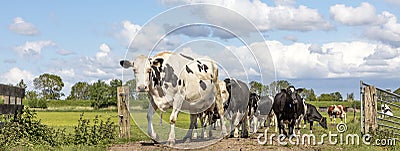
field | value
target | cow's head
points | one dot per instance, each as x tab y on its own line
294	94
323	123
253	100
142	70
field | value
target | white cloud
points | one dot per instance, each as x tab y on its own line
284	16
382	27
334	60
32	48
19	26
127	30
362	15
388	32
14	75
104	51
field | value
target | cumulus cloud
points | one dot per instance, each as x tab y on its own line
382	27
284	16
361	15
388	32
334	60
33	48
126	31
14	75
20	26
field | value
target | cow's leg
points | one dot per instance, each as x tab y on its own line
305	121
150	128
176	107
255	124
291	124
203	118
311	125
172	119
193	121
245	132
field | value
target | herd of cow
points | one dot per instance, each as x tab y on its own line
186	84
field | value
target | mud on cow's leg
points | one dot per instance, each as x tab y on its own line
151	131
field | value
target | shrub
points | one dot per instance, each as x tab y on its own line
37	103
25	130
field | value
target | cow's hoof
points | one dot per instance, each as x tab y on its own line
187	140
154	137
171	142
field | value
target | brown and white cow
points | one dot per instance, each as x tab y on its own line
335	111
179	82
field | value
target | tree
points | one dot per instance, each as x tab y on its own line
397	91
256	87
21	84
309	95
350	97
335	96
276	86
99	94
49	85
113	91
80	91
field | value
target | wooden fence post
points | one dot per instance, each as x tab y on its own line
123	112
370	109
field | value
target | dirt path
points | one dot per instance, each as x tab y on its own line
243	144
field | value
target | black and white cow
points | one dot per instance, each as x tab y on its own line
179	82
312	115
236	106
262	110
287	106
385	110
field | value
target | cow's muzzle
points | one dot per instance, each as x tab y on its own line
142	88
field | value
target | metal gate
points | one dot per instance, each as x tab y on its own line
373	117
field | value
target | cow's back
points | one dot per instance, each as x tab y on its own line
265	105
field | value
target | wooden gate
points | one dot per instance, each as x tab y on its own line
373	117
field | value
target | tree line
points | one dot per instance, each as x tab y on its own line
49	87
308	94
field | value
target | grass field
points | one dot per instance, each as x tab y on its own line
68	119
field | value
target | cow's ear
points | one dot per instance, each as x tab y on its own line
299	90
157	62
126	64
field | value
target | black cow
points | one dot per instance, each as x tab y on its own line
288	106
312	115
236	106
262	109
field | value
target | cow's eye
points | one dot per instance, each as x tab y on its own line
223	91
148	70
134	69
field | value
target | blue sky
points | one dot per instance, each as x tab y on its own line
325	45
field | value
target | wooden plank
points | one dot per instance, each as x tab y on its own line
370	109
123	111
